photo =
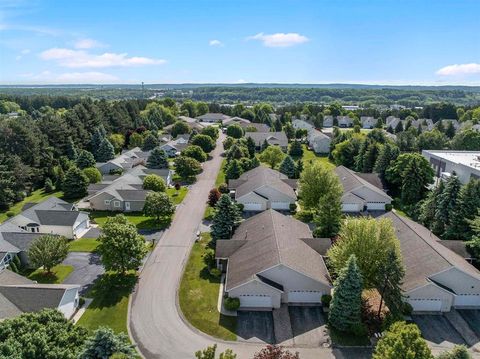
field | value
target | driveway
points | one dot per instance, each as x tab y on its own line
308	326
437	330
93	232
87	268
472	317
255	326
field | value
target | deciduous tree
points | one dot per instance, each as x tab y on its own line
158	205
273	155
315	181
187	167
47	251
205	142
195	152
154	183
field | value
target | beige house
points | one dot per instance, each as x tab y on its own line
270	261
262	188
319	142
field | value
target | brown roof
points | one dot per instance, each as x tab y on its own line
423	255
259	177
319	245
271	239
351	181
372	178
458	247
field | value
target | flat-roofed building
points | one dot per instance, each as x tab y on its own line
466	164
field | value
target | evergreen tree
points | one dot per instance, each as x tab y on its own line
233	170
104	343
390	129
429	206
85	160
450	131
467	207
251	147
369	158
48	187
75	184
329	213
157	159
264	145
457	352
346	305
296	149
299	168
97	137
390	277
388	152
411	184
150	142
399	127
71	150
441	126
287	167
225	219
105	152
447	203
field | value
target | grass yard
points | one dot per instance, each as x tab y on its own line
136	218
177	196
57	275
198	296
208	215
311	157
221	174
37	196
110	302
83	245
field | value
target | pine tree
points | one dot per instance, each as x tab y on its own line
75	183
467	207
264	145
85	160
97	138
450	131
226	218
296	149
105	152
157	159
399	127
329	214
299	168
71	150
233	170
441	126
388	153
150	142
370	158
104	343
287	167
251	147
429	206
447	203
346	305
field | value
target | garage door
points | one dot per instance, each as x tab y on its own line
350	207
250	206
299	296
81	227
426	305
280	205
255	301
467	300
375	206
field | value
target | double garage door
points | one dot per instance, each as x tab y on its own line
426	305
280	205
376	206
252	206
255	301
467	300
304	296
351	207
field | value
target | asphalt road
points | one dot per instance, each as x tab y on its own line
155	323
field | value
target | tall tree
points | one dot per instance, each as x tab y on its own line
346	305
85	159
296	149
287	167
250	147
104	343
233	170
71	150
315	181
388	153
328	216
429	206
150	142
157	159
47	251
187	167
75	183
105	152
447	203
468	204
273	155
391	273
225	219
205	142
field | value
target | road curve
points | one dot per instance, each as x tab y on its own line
155	323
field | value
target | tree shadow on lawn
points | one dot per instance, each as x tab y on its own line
205	275
44	277
152	223
110	288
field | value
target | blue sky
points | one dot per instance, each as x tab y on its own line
284	41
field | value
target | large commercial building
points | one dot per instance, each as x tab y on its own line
466	164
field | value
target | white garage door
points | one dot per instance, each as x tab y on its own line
280	205
376	206
467	300
251	206
255	301
304	296
81	227
426	305
350	207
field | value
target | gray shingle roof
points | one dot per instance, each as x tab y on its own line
272	239
7	277
273	138
213	117
351	181
20	239
132	195
57	218
260	127
423	255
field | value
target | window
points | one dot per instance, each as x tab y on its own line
107	202
116	204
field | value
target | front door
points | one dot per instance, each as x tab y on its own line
127	206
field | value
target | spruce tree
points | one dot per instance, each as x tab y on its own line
370	157
447	203
390	277
467	207
299	169
329	214
71	150
96	140
388	152
399	127
105	152
287	167
296	149
429	206
157	159
450	131
251	147
346	305
233	170
225	219
75	183
85	160
150	142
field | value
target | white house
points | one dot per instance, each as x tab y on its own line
466	164
344	121
262	188
359	194
270	260
328	121
368	122
174	147
302	125
124	162
318	141
436	279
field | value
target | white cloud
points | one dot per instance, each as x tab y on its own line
87	44
241	81
91	77
215	43
22	54
459	69
279	39
80	58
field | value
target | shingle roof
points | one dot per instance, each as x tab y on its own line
273	138
263	176
272	239
260	127
352	181
20	239
423	255
132	195
236	120
7	277
212	117
52	211
57	218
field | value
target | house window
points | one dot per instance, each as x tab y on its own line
116	204
107	202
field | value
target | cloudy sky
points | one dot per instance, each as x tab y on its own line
283	41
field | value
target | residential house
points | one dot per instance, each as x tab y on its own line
466	164
302	125
123	162
328	121
426	123
344	121
192	123
173	148
272	138
259	127
262	188
318	141
236	121
436	278
270	260
20	295
213	117
392	121
368	122
53	216
14	241
360	194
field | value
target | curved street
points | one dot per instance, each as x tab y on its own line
155	322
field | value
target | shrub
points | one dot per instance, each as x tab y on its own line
93	174
13	267
293	207
240	207
48	188
178	186
388	207
213	197
407	309
116	171
215	272
10	214
231	303
209	259
326	299
17	261
154	183
81	302
304	216
223	188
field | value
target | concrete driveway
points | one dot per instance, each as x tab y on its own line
308	326
437	330
87	268
255	326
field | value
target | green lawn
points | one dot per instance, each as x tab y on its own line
136	218
110	302
208	214
83	245
311	157
177	196
57	275
221	174
198	296
36	196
